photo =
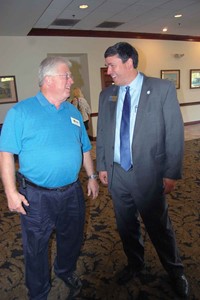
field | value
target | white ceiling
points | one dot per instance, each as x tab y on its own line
18	17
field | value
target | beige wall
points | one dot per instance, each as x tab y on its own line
21	56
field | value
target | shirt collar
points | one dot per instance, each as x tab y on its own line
134	84
42	99
44	102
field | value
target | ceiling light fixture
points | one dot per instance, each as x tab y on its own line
178	16
164	29
83	6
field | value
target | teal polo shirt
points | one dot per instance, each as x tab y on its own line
49	141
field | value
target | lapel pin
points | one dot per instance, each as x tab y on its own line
148	92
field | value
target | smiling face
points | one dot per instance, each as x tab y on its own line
57	86
62	81
121	73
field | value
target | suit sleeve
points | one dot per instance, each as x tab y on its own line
174	135
100	147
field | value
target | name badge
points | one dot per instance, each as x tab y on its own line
75	122
112	98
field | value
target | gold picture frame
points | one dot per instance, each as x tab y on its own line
172	75
8	90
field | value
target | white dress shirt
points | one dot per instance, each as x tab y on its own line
135	91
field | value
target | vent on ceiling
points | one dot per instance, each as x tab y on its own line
109	24
65	22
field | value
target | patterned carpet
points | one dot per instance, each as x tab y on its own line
102	255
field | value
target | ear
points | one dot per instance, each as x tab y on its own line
130	63
48	80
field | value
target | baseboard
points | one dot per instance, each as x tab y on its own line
192	123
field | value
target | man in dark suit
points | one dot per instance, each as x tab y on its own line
155	145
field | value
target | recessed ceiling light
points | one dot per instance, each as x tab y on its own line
83	6
164	29
178	16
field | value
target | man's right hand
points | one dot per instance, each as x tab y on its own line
15	201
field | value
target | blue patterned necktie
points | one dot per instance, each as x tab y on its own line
125	154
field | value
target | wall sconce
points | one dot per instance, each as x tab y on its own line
178	55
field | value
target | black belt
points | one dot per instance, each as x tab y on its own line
21	179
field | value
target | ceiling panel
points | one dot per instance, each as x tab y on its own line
18	17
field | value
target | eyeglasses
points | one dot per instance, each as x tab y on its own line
67	75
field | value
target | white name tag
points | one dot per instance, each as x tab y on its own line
75	122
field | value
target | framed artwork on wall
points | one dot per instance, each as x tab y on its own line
8	90
195	78
172	75
106	79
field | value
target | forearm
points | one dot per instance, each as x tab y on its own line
88	163
93	187
7	168
15	199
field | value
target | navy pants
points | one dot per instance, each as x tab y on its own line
62	211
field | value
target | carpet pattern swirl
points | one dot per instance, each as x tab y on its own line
102	255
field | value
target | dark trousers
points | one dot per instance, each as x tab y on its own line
154	214
62	211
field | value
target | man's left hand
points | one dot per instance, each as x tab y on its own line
169	185
93	188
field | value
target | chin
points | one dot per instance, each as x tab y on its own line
67	95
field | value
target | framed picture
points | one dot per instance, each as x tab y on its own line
8	91
195	78
172	75
106	79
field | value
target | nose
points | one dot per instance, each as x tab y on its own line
71	80
109	70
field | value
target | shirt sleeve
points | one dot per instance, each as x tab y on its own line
10	140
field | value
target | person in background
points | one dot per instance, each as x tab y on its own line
49	137
141	169
82	105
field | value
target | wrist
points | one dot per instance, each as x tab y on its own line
93	176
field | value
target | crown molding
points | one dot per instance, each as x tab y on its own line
111	34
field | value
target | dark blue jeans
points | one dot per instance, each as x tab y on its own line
62	211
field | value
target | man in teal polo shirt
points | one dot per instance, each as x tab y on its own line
49	137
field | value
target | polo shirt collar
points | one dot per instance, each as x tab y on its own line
44	102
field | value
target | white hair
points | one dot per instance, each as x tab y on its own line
48	67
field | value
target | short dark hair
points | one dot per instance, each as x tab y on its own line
124	51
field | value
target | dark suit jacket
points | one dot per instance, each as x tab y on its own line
158	138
